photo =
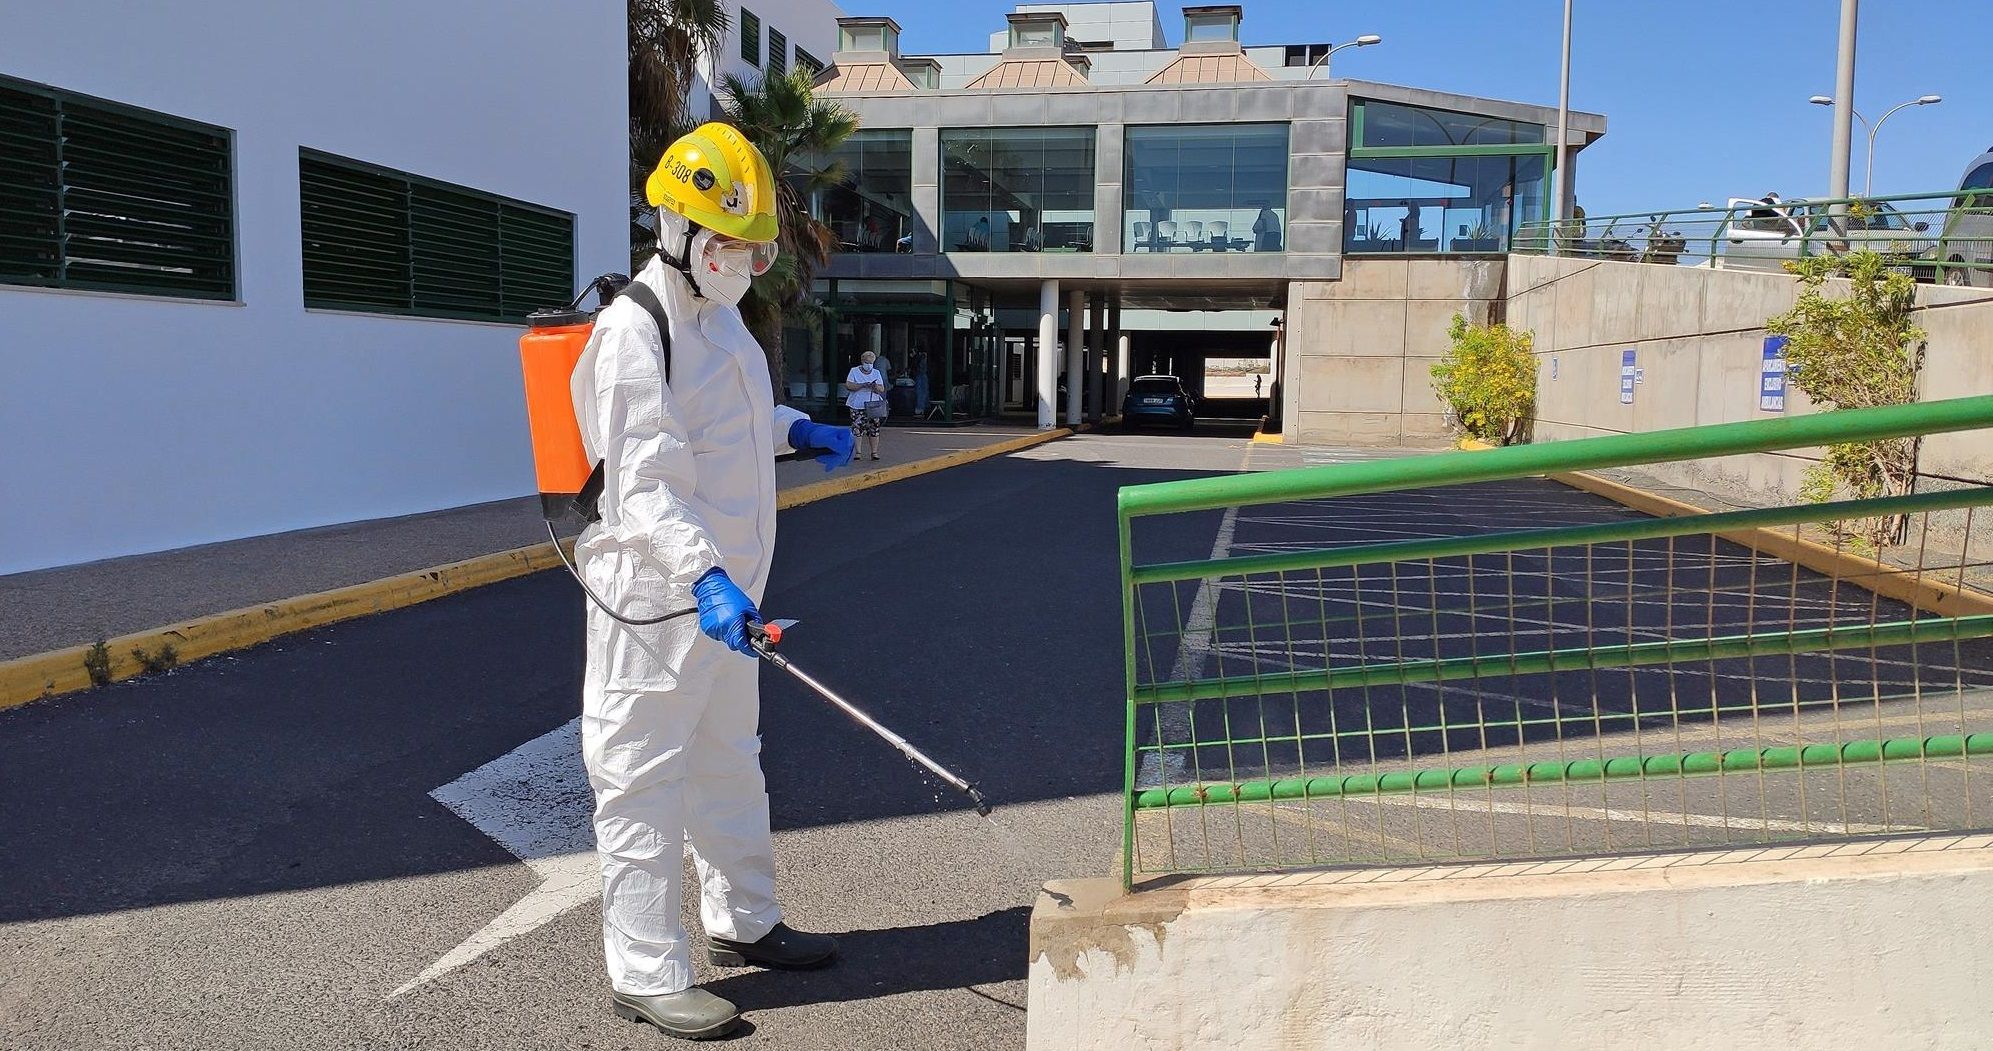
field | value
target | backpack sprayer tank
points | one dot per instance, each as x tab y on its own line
548	353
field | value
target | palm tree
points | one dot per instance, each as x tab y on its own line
668	38
796	131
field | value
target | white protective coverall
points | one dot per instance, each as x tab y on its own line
669	721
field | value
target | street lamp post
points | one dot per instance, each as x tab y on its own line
1363	41
1868	178
1560	177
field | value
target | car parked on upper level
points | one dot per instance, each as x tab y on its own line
1968	232
1765	235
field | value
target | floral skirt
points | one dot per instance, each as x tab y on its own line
862	425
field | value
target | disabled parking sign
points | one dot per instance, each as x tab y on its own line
1771	378
1627	375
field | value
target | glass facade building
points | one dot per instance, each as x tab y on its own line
1205	188
1437	182
1017	189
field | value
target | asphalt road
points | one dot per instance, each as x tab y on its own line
245	852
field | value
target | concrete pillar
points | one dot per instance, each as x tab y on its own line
1075	353
1120	338
1096	357
1048	353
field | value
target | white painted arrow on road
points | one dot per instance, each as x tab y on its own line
535	802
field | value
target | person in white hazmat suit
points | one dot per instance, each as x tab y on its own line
670	711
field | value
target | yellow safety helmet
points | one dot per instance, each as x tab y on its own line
717	179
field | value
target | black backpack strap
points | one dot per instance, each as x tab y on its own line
639	293
587	502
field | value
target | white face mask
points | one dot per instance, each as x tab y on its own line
723	268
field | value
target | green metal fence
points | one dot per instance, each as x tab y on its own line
1944	237
1454	656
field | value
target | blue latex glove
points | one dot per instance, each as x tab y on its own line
724	610
833	444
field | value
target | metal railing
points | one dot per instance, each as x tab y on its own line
1452	656
1944	238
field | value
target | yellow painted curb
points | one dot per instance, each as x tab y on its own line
1269	439
1475	445
40	675
1903	585
805	494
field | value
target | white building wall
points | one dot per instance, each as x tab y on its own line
135	424
1130	25
808	24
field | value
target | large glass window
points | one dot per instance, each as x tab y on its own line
872	210
1017	190
1424	180
1386	124
1206	188
1440	204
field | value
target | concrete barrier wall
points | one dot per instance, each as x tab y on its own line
1883	944
1698	342
1360	350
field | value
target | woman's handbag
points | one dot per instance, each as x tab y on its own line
876	409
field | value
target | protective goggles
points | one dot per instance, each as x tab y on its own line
749	257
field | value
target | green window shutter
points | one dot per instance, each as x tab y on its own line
808	63
356	241
538	248
750	38
456	263
778	53
383	241
30	177
103	196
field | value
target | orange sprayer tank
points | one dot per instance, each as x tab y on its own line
547	355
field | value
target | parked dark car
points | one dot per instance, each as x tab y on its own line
1159	399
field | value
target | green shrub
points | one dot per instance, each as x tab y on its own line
1488	378
156	661
1854	351
97	663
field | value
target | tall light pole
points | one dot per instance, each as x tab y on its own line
1844	103
1365	40
1560	182
1868	178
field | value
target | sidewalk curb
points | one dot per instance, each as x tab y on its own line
57	672
1903	585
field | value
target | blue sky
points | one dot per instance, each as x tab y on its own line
1704	99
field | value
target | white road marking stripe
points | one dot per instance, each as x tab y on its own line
535	802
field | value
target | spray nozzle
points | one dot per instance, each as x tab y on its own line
983	806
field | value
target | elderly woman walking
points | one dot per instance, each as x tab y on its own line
867	400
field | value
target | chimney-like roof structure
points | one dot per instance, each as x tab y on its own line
1222	68
1037	57
867	59
862	78
1031	73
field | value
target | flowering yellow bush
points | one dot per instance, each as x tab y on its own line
1489	380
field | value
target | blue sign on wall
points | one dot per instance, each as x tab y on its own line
1627	374
1771	380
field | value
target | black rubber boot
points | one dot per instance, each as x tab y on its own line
689	1014
781	947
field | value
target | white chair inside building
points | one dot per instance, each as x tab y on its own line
1165	234
1142	230
1221	234
1193	231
